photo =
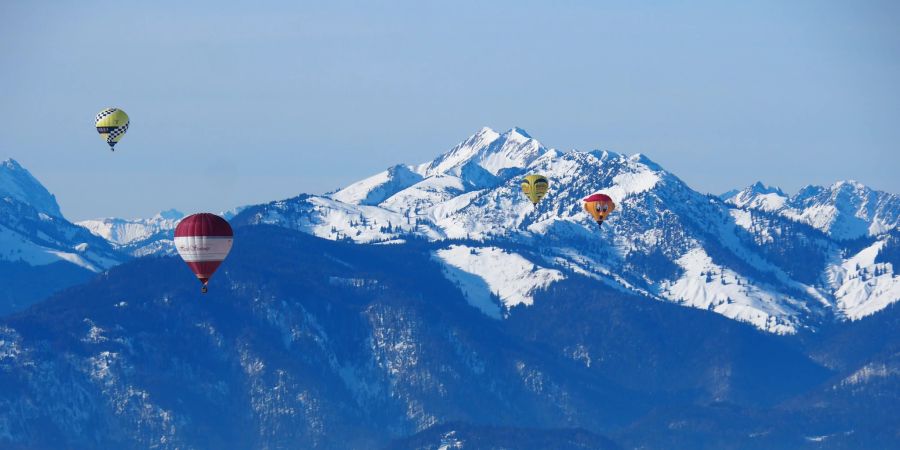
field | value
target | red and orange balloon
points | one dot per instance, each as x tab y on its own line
599	206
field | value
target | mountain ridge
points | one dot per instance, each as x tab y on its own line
743	256
759	283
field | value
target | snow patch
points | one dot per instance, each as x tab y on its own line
487	275
869	372
862	286
706	285
377	188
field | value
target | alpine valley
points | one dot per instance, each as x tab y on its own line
432	306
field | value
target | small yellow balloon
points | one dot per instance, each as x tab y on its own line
535	187
112	123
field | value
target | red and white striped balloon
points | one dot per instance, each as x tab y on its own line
203	241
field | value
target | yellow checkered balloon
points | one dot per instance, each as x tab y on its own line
112	123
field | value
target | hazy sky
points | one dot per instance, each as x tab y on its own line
233	105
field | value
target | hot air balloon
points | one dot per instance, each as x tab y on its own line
203	241
599	206
112	123
535	188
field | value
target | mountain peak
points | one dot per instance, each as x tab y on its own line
757	196
851	184
170	214
603	155
11	164
761	188
492	151
17	183
518	131
645	160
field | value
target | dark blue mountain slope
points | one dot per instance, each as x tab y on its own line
460	435
309	343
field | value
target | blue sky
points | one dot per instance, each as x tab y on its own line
236	104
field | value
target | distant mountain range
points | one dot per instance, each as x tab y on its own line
137	237
846	210
431	306
756	255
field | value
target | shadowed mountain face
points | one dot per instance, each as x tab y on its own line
300	340
40	251
460	435
309	343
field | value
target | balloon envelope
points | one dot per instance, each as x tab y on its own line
112	123
203	241
599	206
535	187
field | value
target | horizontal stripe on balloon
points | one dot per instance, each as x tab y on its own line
203	248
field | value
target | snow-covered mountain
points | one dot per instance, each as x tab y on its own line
127	231
40	251
308	343
17	184
33	231
666	241
143	236
757	196
137	236
778	262
473	320
845	210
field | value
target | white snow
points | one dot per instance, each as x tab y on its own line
15	247
870	371
771	201
126	231
94	334
709	286
422	196
742	218
377	188
18	184
332	219
639	179
100	369
10	342
845	210
862	286
485	271
488	149
518	150
357	192
460	154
